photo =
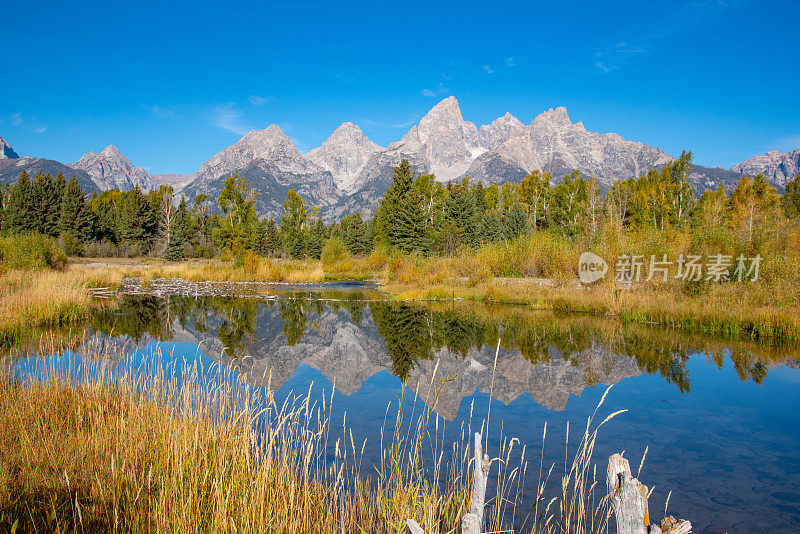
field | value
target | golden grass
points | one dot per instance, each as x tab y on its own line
32	300
140	453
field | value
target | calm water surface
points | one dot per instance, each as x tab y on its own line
721	419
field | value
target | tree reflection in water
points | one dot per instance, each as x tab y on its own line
413	332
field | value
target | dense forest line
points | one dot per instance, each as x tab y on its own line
417	214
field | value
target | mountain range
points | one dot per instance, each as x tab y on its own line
349	172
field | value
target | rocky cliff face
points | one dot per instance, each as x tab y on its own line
554	144
110	169
444	144
344	154
6	152
778	168
269	160
11	168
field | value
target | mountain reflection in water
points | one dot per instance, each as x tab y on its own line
720	417
350	338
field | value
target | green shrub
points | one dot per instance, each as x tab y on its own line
334	250
31	251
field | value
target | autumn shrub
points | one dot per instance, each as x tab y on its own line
334	250
31	251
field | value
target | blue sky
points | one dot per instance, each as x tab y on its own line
172	83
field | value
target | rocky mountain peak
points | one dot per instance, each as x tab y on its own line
344	154
499	130
6	152
442	141
112	151
778	168
557	117
111	169
445	118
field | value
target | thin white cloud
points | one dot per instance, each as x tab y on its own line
258	100
510	61
31	124
608	60
229	118
299	145
346	78
601	66
436	91
677	19
488	69
787	143
158	111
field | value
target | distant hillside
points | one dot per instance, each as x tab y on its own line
11	168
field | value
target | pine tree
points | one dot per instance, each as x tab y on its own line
272	239
409	225
352	230
461	213
136	219
20	215
387	212
491	228
75	217
791	200
43	195
180	234
316	239
516	221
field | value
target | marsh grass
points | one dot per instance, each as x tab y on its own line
32	300
175	447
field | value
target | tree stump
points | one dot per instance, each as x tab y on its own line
628	499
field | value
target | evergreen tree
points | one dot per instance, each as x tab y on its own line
386	215
791	200
272	239
353	232
43	196
409	225
461	213
20	215
316	239
180	232
136	220
516	222
75	217
491	228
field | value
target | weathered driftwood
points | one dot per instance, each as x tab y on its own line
472	522
413	527
629	502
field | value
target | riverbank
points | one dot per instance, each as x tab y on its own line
768	309
36	300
